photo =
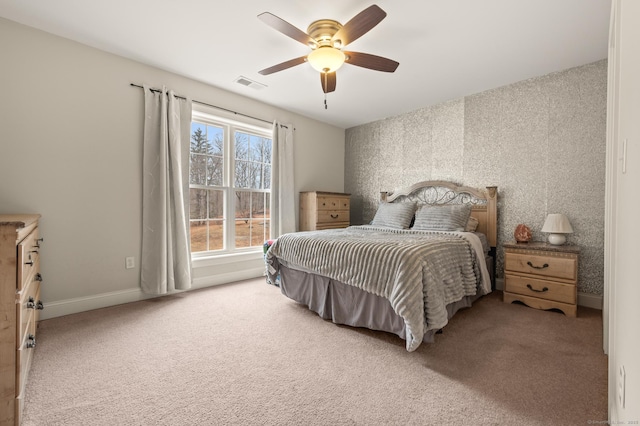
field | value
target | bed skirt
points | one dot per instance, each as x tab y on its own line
348	305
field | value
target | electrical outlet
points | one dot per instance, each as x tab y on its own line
130	262
621	385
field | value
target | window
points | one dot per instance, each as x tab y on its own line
229	185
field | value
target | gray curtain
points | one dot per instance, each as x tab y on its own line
283	210
166	256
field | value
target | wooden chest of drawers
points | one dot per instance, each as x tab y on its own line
324	210
19	308
542	276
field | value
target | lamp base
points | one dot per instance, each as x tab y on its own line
557	239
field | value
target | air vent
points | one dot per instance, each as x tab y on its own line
249	83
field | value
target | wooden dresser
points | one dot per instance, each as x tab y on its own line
19	308
542	276
324	210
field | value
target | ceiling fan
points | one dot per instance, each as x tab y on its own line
327	38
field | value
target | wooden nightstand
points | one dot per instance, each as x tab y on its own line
542	276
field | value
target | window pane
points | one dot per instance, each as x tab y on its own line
214	171
197	204
217	145
257	232
199	143
243	205
216	204
256	175
267	229
243	174
267	205
198	230
257	205
242	146
255	148
215	139
216	234
197	169
267	150
267	176
243	233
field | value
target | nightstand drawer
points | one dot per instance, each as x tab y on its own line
548	266
542	289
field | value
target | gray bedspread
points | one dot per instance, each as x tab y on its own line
419	272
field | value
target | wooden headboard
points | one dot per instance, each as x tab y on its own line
484	202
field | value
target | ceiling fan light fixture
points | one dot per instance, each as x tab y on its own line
326	59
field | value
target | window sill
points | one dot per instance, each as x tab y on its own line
223	259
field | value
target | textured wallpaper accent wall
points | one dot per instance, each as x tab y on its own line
541	141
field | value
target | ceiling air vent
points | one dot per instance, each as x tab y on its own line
249	83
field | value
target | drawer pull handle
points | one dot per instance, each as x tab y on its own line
39	305
31	341
334	217
38	277
31	303
546	265
537	291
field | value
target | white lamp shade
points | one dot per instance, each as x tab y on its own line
556	225
326	59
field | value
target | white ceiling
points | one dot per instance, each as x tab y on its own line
446	48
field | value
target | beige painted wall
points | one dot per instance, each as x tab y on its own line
541	141
71	149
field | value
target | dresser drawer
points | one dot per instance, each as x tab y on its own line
332	216
556	267
333	203
540	288
24	355
26	309
28	259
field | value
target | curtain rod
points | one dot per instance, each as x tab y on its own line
214	106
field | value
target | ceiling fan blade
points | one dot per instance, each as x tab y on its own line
328	81
366	60
283	66
360	25
287	29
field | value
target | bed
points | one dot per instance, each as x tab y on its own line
428	252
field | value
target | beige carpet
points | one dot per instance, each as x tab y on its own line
243	354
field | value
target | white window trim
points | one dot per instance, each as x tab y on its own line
229	120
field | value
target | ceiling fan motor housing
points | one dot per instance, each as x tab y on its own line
323	30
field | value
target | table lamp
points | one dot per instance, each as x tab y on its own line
557	225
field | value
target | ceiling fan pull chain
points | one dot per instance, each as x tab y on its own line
325	92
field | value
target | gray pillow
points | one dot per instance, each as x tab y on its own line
442	218
394	215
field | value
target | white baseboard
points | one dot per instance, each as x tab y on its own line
103	300
584	299
590	300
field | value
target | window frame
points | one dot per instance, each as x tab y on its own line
230	124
